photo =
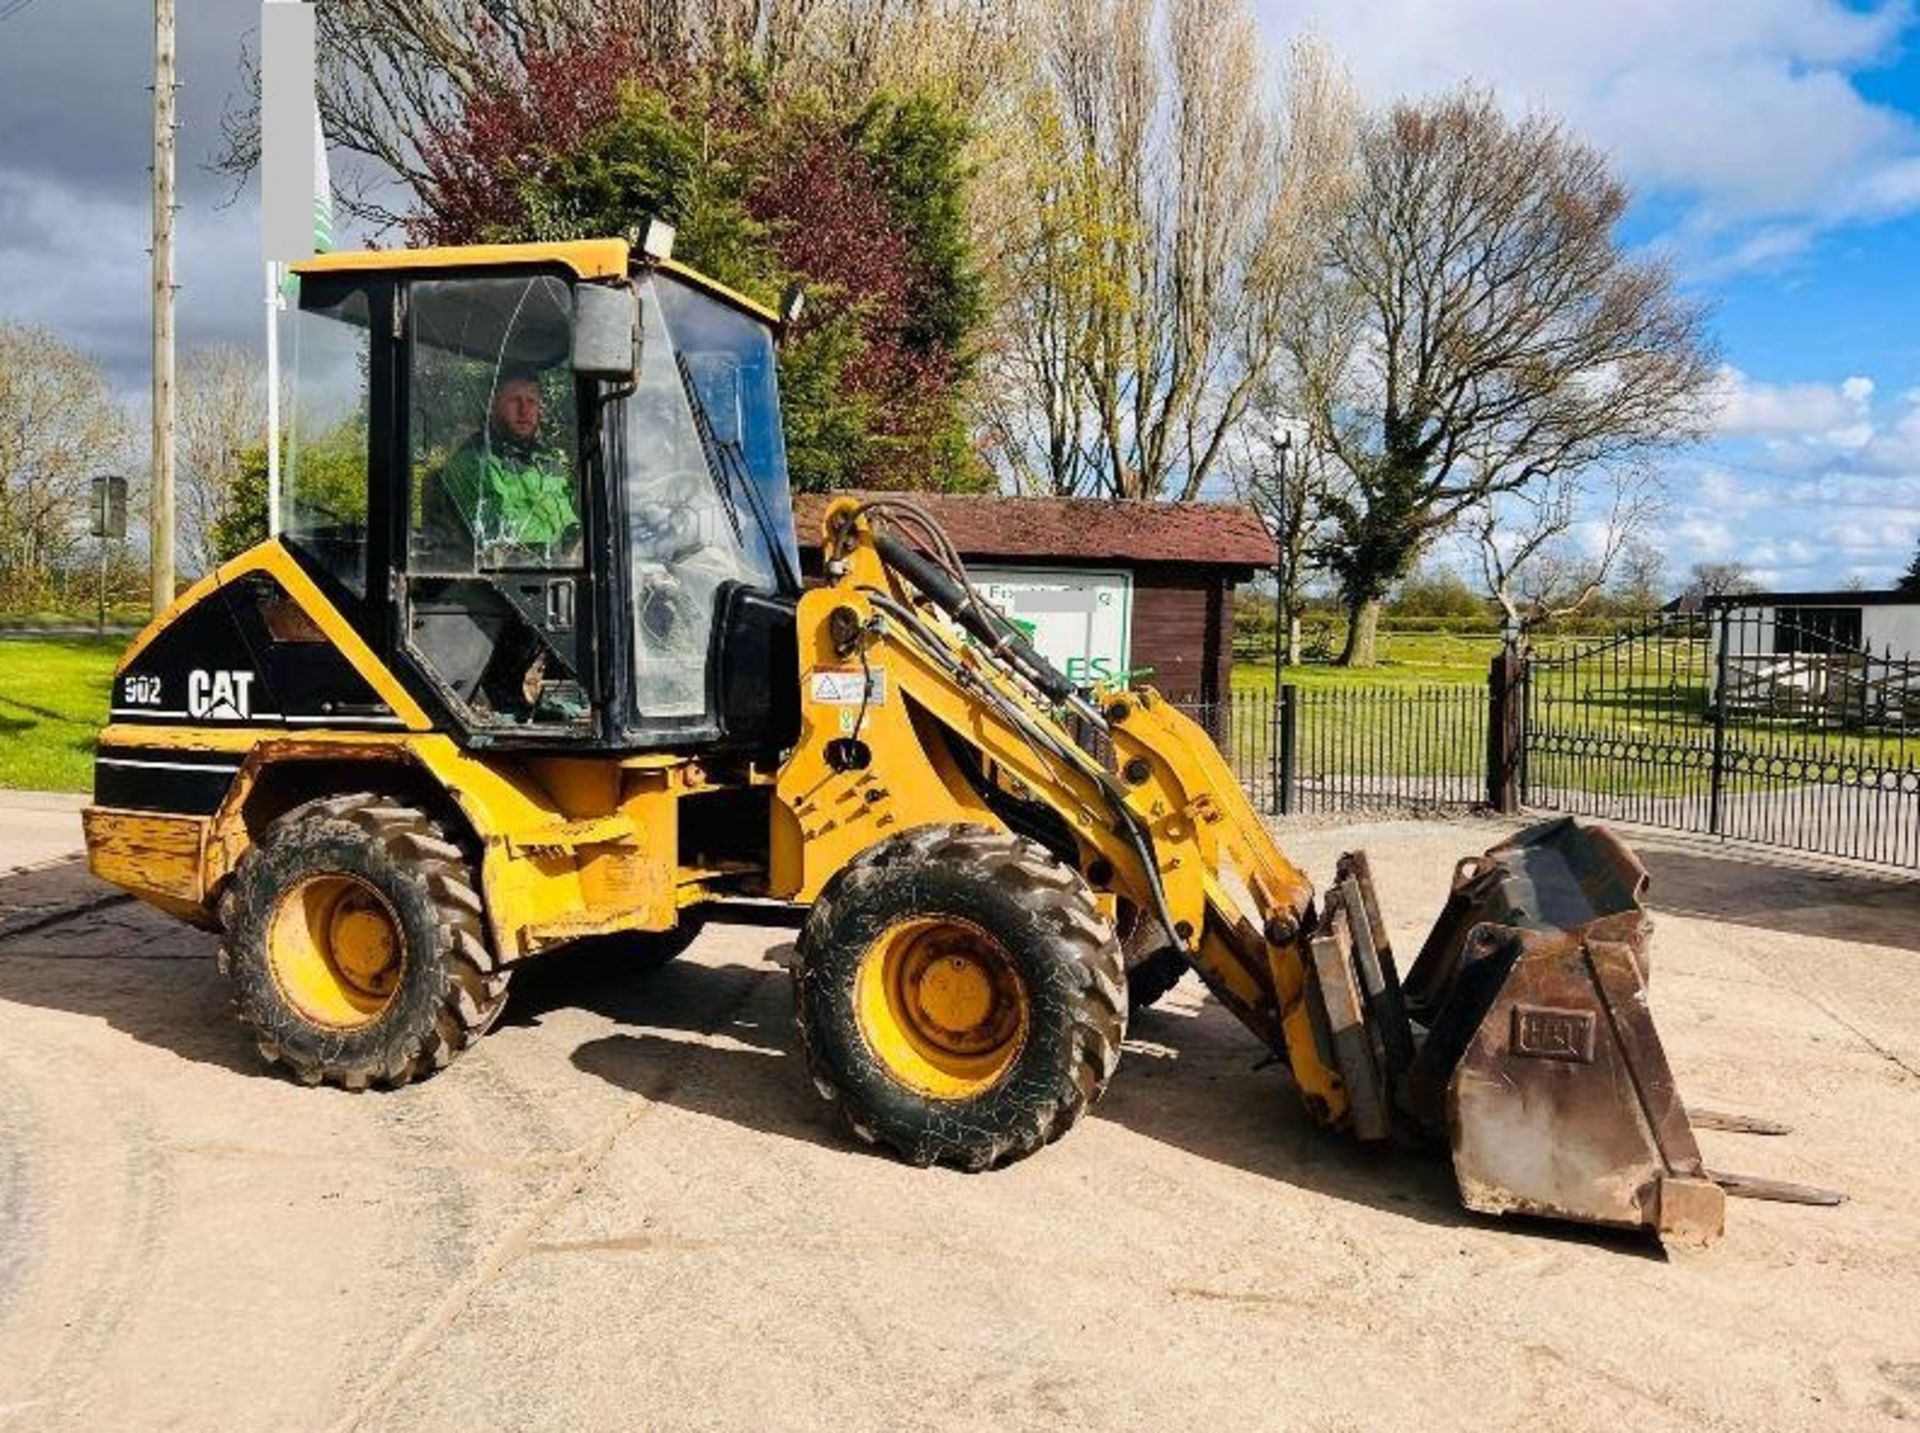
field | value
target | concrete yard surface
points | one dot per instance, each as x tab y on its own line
628	1208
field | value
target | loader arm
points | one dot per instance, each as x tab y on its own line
901	713
1521	1037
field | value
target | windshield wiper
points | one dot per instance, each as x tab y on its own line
727	466
718	472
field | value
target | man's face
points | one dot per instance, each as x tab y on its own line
516	407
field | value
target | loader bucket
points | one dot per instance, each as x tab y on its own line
1533	1051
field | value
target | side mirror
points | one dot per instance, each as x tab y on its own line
606	332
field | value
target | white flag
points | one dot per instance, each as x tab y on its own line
322	187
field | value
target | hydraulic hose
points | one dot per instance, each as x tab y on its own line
960	604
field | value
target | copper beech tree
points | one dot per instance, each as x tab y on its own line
1477	331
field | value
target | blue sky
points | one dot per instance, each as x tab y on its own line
1775	149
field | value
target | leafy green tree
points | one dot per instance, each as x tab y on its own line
242	522
1910	579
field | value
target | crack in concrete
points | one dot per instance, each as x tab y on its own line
63	914
519	1238
1893	1057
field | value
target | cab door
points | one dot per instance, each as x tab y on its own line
495	610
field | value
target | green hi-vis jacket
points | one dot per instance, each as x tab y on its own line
509	492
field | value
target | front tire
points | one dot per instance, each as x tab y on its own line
959	996
355	944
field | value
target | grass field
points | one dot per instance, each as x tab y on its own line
53	702
1406	659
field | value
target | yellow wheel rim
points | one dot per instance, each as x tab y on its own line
336	951
942	1005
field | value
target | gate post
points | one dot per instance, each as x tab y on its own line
1286	740
1272	711
1717	775
1506	724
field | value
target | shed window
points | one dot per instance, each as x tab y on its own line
1816	629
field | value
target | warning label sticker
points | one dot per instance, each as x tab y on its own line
841	687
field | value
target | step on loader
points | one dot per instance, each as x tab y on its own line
528	664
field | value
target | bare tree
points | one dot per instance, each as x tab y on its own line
1639	579
1278	474
1478	332
1719	579
1548	550
1170	207
1039	272
222	413
60	426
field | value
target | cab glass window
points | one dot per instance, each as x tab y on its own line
494	583
728	360
323	502
494	427
690	530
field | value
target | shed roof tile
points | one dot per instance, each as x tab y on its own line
993	526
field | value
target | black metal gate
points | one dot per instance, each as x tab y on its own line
1753	723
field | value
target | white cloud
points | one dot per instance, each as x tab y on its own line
1895	448
1699	538
1742	112
1834	414
1810	484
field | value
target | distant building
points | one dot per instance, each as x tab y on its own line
1104	588
1883	623
1829	657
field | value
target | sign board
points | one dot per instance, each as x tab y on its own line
110	508
1081	620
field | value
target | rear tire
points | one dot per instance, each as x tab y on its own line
960	997
356	945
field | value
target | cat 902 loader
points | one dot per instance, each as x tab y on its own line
529	663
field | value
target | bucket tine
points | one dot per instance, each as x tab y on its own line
1780	1191
1734	1124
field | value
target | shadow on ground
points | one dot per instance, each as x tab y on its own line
719	1041
1797	900
69	942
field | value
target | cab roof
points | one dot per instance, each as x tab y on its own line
587	258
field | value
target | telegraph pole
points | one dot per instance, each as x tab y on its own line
160	518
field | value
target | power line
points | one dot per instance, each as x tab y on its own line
12	8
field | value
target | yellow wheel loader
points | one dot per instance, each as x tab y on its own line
529	663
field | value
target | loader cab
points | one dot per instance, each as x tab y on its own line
549	486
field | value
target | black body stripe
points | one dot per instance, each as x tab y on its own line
155	779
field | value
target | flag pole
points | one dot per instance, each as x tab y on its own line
273	399
288	85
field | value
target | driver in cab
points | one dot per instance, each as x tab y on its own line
503	492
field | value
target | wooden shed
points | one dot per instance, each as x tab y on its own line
1147	587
